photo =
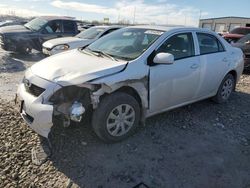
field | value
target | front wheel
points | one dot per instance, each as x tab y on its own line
116	117
225	90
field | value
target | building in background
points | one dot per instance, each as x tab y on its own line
224	24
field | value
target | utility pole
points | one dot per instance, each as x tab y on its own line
199	18
118	19
134	15
200	15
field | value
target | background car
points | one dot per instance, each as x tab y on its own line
12	22
244	45
24	38
83	27
235	34
84	38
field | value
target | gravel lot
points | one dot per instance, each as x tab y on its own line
200	145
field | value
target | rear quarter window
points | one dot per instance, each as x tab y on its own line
209	44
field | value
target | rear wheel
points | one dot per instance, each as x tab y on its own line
116	117
225	90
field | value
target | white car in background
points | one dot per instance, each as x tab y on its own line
84	38
127	76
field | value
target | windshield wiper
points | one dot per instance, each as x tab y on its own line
88	52
104	54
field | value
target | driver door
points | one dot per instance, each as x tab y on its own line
178	83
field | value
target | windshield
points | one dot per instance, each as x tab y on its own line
244	39
36	24
241	31
90	33
127	43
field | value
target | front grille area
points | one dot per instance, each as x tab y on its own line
34	90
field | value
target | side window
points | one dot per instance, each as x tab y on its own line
180	45
54	27
69	26
209	44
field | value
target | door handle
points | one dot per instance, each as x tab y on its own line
194	66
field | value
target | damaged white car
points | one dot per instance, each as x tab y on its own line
127	76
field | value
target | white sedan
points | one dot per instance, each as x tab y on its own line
127	76
84	38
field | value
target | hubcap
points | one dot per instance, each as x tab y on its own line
227	89
120	120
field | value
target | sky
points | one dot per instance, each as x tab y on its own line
179	12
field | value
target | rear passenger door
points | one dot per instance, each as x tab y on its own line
69	28
214	63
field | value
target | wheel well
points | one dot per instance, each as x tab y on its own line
234	73
131	91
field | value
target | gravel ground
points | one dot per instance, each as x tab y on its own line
12	67
200	145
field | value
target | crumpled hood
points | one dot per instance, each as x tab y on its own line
64	40
75	67
14	29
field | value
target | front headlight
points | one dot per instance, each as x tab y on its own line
61	47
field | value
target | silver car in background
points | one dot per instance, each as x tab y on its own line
127	76
84	38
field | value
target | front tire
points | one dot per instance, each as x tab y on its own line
116	118
225	90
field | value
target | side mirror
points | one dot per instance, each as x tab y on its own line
164	58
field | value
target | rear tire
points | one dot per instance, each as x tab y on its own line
116	118
225	90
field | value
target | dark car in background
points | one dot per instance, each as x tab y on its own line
24	38
244	45
237	33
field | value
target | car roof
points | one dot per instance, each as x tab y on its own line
107	26
170	28
49	18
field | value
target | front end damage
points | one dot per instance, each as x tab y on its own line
76	103
72	102
40	108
